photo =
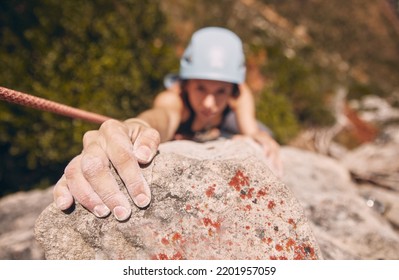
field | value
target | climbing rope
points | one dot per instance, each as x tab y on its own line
27	100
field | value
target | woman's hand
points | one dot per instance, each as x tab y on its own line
88	178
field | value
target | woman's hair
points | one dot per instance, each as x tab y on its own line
236	91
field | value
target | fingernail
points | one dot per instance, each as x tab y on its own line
101	211
142	200
121	213
143	153
62	203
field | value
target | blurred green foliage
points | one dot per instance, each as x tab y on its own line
363	33
297	96
276	111
303	83
103	56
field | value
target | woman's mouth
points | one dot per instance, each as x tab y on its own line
207	113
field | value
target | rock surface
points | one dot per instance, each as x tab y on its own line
345	227
216	200
382	160
18	214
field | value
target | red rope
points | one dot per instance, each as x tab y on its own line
50	106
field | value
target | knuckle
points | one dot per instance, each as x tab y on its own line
89	136
123	157
135	185
92	165
152	135
110	125
57	190
109	197
86	199
72	169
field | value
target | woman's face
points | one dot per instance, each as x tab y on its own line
208	98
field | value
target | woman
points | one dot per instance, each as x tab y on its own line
209	99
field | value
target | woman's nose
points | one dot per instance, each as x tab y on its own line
209	101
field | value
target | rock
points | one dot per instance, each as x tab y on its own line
375	109
390	134
383	201
18	214
381	156
376	163
216	200
345	227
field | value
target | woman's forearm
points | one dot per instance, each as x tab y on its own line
163	120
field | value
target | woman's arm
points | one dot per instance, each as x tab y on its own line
244	108
166	114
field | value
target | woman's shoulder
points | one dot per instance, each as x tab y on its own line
170	99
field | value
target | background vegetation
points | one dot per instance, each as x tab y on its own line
110	57
104	56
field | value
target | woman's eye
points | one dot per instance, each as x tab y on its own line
200	89
221	92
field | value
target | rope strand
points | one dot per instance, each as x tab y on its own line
27	100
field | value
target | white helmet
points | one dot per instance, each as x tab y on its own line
214	53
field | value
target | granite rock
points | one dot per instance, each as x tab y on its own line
216	200
345	226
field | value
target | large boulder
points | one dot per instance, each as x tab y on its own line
382	166
216	200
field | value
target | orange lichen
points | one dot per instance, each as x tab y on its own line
304	251
290	244
176	236
160	256
278	258
248	194
165	241
279	247
267	240
210	191
247	207
261	193
271	204
292	222
239	180
209	222
177	256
